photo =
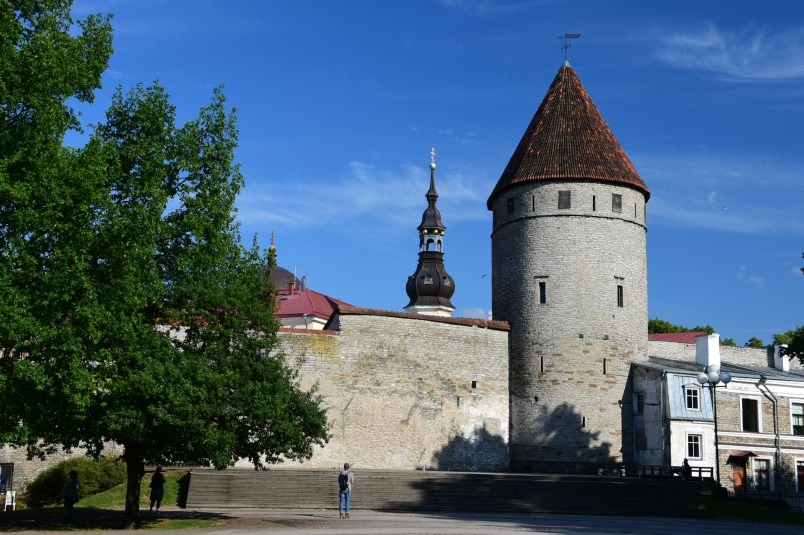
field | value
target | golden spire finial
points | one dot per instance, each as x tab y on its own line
273	241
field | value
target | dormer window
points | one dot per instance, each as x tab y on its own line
693	397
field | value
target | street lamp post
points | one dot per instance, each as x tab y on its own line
711	376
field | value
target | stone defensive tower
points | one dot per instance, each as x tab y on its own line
430	287
569	274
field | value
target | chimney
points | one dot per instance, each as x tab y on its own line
292	288
781	362
489	315
707	349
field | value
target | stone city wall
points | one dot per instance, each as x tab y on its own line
405	390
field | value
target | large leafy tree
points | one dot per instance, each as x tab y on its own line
794	339
129	311
657	325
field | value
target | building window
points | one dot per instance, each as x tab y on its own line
639	403
762	473
694	446
594	203
799	476
427	278
564	200
510	206
750	413
533	202
542	292
797	416
693	396
620	295
616	202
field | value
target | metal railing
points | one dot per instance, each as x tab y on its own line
697	473
794	499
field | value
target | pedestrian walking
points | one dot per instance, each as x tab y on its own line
345	481
157	488
70	494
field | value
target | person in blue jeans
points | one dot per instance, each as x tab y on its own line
345	480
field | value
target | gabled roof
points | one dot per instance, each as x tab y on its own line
683	338
568	139
308	302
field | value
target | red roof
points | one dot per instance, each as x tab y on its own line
683	338
308	302
568	139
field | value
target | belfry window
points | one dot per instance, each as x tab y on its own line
616	202
564	200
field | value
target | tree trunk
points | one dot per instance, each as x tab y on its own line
135	469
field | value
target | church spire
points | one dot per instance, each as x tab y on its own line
430	287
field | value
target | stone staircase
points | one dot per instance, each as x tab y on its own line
448	491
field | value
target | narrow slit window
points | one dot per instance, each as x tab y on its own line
541	364
594	203
583	421
635	210
533	201
542	293
494	219
616	202
510	206
620	295
474	384
564	200
605	366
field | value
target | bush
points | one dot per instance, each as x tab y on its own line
94	476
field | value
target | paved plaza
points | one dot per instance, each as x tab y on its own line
296	522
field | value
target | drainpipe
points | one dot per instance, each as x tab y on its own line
661	408
768	394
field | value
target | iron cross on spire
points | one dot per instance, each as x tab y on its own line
432	157
566	37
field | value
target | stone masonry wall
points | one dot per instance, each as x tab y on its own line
399	392
570	357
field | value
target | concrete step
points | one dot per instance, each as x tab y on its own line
445	491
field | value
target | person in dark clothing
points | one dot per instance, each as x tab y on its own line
157	488
70	494
686	471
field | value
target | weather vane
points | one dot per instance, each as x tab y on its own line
566	37
432	158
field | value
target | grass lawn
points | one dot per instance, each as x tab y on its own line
104	511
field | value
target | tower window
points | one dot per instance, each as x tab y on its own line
428	279
494	219
620	295
564	199
474	384
533	202
605	366
616	202
583	421
594	203
510	206
542	293
635	210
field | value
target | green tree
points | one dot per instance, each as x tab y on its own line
728	342
657	325
129	310
755	342
794	339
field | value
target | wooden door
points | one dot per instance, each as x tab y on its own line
739	480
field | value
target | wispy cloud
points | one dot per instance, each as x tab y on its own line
466	138
797	271
749	55
743	275
365	195
756	200
482	7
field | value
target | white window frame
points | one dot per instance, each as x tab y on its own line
797	402
797	460
699	396
755	479
701	436
759	413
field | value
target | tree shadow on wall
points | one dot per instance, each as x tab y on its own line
564	444
477	451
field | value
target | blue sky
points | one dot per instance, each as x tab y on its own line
340	102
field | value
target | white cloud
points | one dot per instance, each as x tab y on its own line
797	272
712	197
743	275
475	312
364	195
481	7
750	55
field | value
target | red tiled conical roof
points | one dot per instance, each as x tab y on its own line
568	139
